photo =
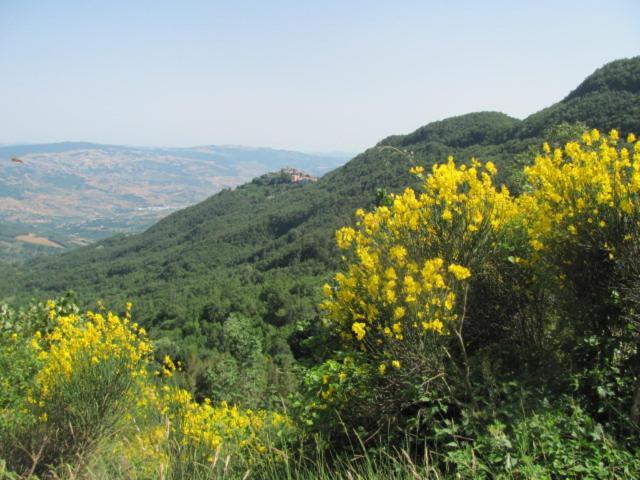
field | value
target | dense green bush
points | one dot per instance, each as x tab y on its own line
450	294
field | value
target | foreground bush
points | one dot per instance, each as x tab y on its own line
78	385
400	305
448	293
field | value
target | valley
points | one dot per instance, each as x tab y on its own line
84	192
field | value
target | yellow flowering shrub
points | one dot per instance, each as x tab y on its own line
586	192
181	436
410	261
88	369
419	265
80	342
96	383
398	304
581	213
210	425
331	385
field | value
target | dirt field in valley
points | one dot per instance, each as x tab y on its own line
35	240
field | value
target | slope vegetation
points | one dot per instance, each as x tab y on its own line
263	250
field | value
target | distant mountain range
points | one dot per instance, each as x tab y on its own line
83	191
273	244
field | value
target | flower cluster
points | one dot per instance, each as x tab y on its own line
587	192
171	428
400	301
206	425
410	261
80	342
95	371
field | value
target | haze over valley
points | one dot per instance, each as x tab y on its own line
62	195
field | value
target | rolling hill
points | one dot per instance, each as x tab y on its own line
72	193
264	249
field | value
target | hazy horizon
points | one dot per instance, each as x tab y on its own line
173	147
336	76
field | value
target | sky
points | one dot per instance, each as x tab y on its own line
314	76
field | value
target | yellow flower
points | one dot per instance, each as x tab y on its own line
359	329
449	301
78	342
434	326
459	272
536	244
398	253
345	237
402	256
595	184
614	136
395	363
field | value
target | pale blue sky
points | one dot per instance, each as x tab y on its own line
325	75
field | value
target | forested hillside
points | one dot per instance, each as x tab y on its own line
459	302
74	193
261	252
259	238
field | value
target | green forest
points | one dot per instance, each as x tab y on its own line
459	302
